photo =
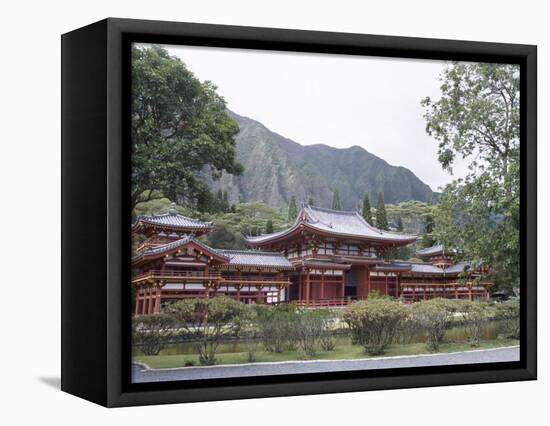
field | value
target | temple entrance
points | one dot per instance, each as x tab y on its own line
350	283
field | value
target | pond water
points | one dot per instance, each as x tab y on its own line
490	331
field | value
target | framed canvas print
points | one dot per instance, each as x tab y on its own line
254	212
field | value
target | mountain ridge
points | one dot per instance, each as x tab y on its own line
277	168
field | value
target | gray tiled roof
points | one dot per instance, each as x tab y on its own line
256	258
427	268
167	246
435	249
345	223
457	268
164	248
174	220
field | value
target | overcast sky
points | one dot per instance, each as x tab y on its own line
336	100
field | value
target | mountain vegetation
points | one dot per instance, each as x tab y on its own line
277	168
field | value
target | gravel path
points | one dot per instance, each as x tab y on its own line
140	374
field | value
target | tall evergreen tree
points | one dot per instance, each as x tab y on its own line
336	205
427	236
292	209
381	217
219	201
225	202
269	227
399	224
367	213
309	201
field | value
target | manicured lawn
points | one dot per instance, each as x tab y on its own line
340	352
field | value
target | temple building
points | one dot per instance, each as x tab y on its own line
325	258
172	264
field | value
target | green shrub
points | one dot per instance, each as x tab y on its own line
409	328
277	326
208	322
327	339
250	332
151	332
309	328
434	316
508	313
475	315
374	323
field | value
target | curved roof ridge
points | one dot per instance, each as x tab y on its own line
167	214
262	252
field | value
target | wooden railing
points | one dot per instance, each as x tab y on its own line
158	274
233	279
324	303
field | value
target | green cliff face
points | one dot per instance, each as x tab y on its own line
276	168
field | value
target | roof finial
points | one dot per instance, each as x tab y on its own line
172	209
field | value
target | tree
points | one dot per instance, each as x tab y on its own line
375	323
435	316
225	202
269	227
367	213
219	201
399	224
477	119
179	127
309	201
336	205
309	329
150	333
427	235
381	218
277	326
292	209
208	322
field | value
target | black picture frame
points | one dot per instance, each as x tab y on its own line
96	218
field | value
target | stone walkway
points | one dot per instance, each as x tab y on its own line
141	374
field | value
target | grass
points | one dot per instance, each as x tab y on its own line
346	351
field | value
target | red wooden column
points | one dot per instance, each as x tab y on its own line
368	282
387	287
144	303
397	284
136	304
238	287
145	307
150	301
322	284
307	287
343	286
300	295
158	291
